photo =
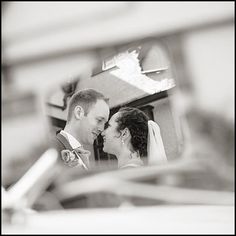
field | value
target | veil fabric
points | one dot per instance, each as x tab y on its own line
155	148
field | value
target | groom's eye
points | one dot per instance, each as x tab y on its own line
99	120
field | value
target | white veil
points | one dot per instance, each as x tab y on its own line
155	148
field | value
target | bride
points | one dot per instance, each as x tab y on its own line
131	136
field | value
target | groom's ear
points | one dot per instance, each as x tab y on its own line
79	112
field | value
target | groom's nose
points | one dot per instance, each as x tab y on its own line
101	127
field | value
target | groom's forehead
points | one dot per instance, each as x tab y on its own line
100	110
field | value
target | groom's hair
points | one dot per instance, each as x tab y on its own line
137	122
86	99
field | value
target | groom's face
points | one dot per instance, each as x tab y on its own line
93	123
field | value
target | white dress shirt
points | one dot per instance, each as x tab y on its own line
72	140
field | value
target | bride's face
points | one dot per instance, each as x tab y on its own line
111	137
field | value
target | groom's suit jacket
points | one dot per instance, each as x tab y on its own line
62	143
65	173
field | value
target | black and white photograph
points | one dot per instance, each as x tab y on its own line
118	117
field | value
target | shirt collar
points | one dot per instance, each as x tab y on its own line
71	139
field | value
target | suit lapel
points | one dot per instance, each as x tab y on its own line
67	145
64	141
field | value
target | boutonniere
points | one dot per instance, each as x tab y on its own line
69	158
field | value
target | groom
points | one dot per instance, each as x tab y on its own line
88	111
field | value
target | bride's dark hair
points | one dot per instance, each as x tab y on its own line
137	123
